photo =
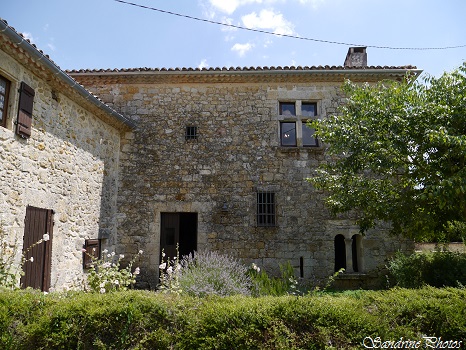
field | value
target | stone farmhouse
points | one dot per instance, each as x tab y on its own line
203	159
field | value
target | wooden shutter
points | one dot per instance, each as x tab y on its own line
92	247
37	273
26	103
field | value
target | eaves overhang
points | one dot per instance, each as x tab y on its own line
244	75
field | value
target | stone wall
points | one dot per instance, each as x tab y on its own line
69	165
237	153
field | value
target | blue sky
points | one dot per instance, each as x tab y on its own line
94	34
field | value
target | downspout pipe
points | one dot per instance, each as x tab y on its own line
38	56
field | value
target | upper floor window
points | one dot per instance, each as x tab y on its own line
190	133
294	130
4	91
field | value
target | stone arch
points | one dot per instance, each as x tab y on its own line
340	252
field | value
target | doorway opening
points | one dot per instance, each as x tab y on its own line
340	252
178	229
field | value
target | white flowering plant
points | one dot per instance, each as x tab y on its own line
10	272
106	274
169	274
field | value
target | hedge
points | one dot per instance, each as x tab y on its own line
147	320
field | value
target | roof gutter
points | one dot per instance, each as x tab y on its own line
37	56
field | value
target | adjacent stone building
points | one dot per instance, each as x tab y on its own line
59	165
203	159
219	161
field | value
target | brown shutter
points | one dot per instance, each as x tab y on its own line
92	247
26	103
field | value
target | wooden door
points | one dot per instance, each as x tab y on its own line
38	222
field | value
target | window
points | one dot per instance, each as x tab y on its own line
266	213
287	109
4	91
294	130
308	110
92	251
288	133
191	133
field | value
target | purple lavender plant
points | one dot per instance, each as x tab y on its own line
210	273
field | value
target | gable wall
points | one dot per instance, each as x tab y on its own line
237	153
69	165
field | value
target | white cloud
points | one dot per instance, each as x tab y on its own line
230	6
228	22
267	19
241	49
313	3
203	64
28	36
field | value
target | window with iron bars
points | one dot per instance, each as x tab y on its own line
191	133
266	212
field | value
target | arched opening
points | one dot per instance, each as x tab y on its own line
340	253
356	252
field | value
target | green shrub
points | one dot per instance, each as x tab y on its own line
146	320
436	269
264	285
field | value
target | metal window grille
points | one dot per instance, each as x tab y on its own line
266	213
191	133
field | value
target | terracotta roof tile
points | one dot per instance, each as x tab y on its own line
217	69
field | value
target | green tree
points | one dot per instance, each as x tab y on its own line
397	154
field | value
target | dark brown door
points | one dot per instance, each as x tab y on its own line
38	223
178	229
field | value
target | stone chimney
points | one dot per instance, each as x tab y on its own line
356	57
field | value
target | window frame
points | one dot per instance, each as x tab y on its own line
6	96
300	118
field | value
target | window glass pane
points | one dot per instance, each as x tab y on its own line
2	86
308	136
288	133
287	108
309	109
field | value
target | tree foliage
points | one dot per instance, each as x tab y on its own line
397	154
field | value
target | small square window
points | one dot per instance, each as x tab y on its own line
309	139
91	252
288	134
4	90
287	109
266	213
191	133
